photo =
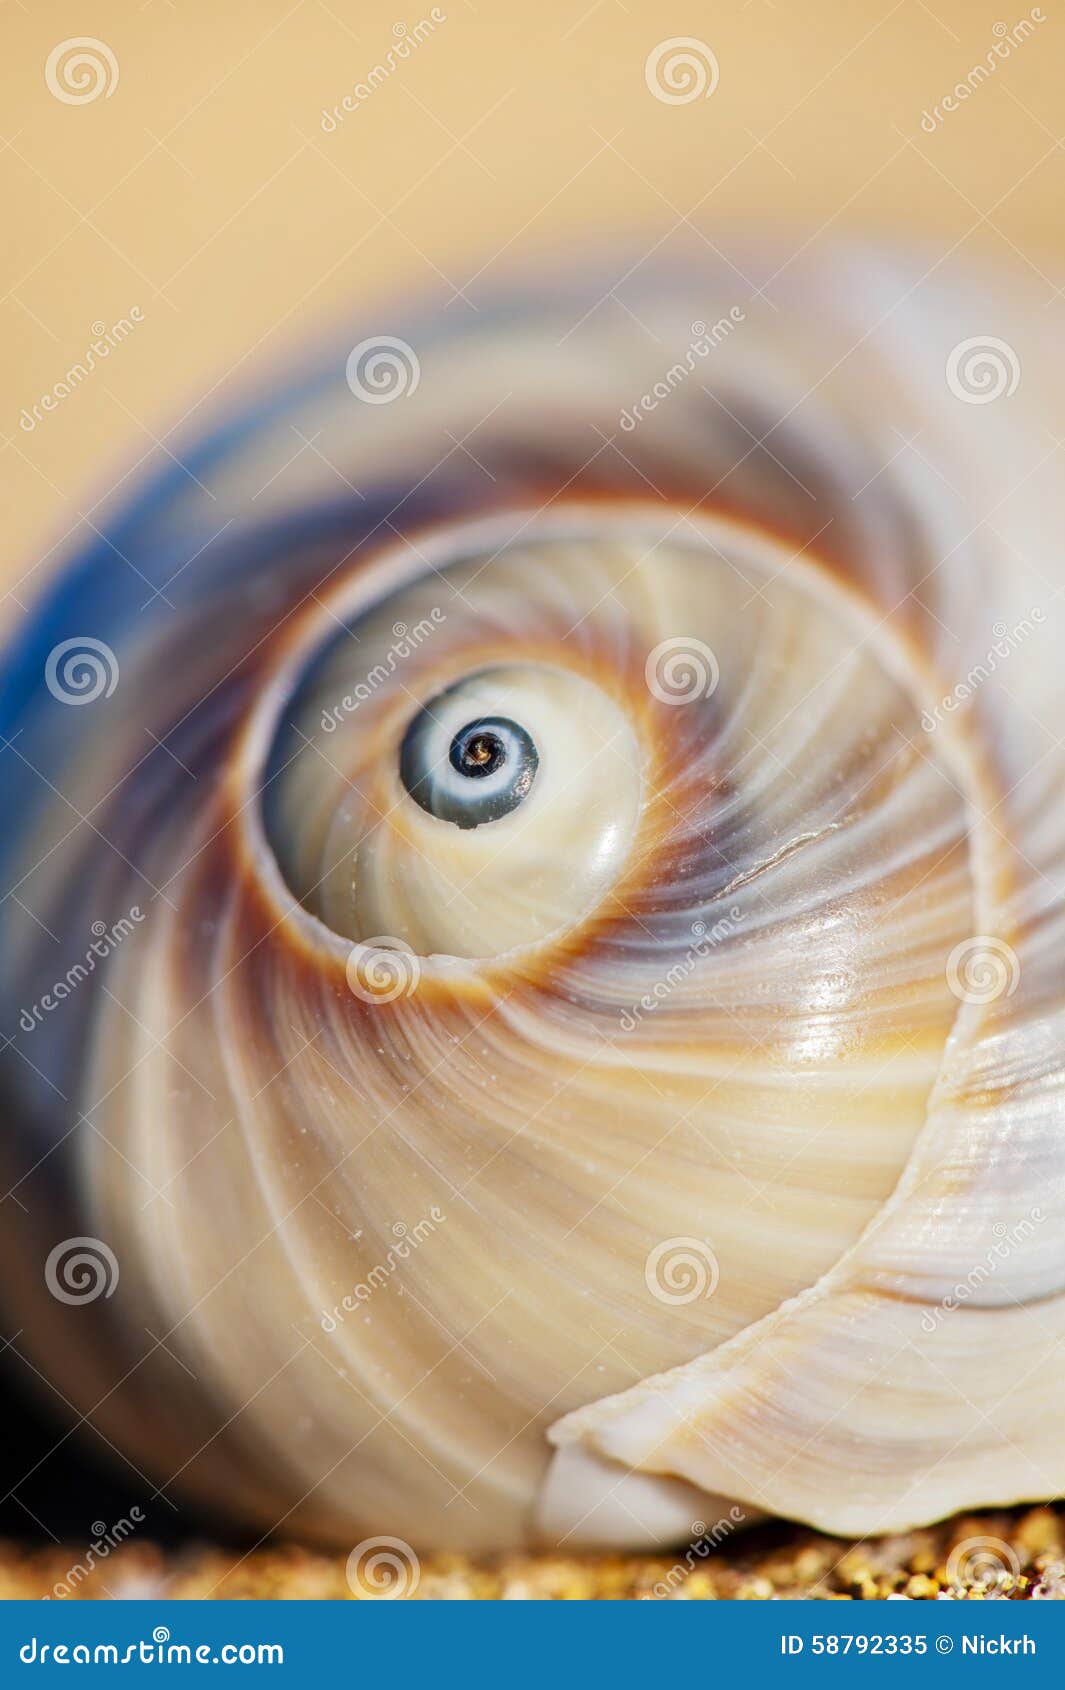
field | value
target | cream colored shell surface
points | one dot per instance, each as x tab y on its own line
688	1136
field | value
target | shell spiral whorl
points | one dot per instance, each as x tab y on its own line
550	928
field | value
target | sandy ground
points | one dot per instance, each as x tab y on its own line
1015	1556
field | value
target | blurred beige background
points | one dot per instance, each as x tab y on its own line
203	189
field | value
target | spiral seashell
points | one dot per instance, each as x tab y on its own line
576	1032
